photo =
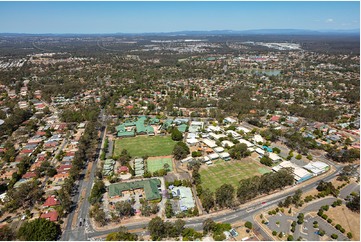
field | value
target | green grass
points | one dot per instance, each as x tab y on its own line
230	172
155	164
145	145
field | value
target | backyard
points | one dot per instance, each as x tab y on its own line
231	172
145	145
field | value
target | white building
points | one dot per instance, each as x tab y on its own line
274	157
225	156
245	130
217	136
226	143
258	138
234	134
243	141
213	156
209	143
219	149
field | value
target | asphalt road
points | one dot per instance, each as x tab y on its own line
353	187
80	233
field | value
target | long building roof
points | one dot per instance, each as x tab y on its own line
150	188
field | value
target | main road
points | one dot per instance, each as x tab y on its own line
81	199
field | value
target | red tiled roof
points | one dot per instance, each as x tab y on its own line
41	133
52	216
275	118
123	169
26	151
51	201
70	153
28	175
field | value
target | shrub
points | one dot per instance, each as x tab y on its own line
248	225
315	225
290	238
274	233
334	236
329	220
298	157
326	207
280	234
349	235
290	210
277	210
322	232
342	230
324	216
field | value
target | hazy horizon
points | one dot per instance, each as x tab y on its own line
163	17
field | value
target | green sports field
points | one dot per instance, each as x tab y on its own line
145	145
157	163
230	172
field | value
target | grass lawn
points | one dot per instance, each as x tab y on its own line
145	145
230	172
157	163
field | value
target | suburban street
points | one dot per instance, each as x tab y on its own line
80	233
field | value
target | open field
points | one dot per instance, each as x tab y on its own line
230	172
145	145
157	163
349	220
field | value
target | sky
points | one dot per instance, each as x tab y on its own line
140	17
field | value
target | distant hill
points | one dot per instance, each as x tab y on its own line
210	33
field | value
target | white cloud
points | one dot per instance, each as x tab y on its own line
329	20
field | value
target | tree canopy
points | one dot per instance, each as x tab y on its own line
39	229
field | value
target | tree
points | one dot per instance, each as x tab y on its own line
98	214
354	203
349	235
179	225
176	134
166	167
122	235
6	233
168	209
156	228
124	208
265	160
276	150
207	199
208	225
39	229
180	150
334	236
290	237
239	151
97	192
248	225
225	195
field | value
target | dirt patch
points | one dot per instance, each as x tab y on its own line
349	220
242	231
